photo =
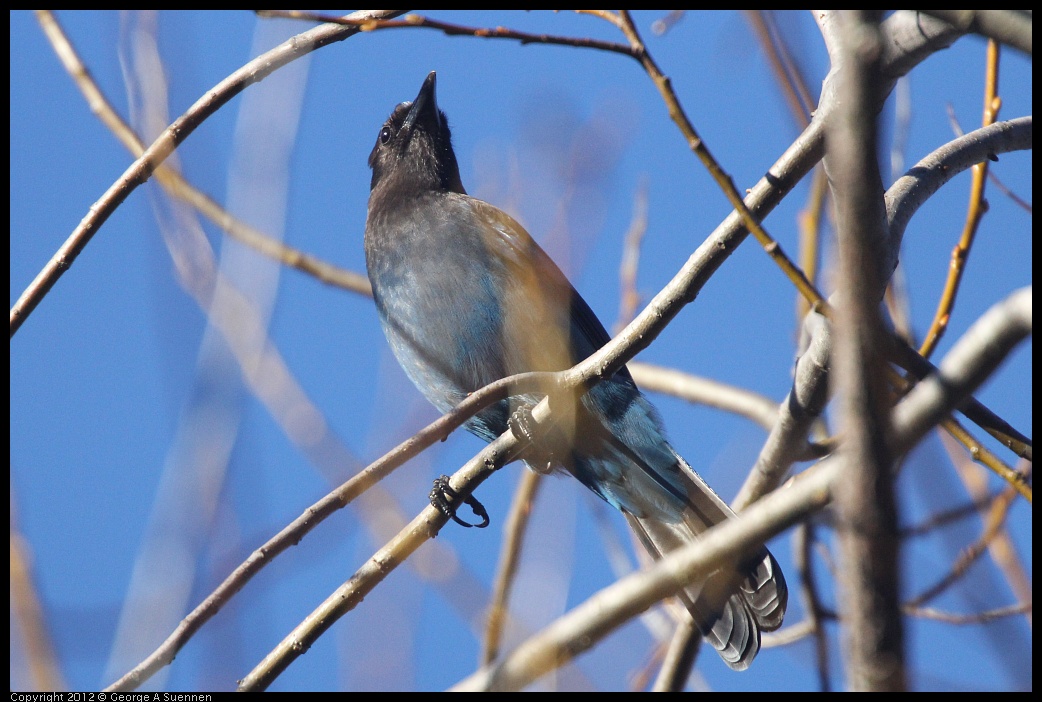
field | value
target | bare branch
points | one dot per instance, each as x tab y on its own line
1012	27
141	170
176	185
975	357
869	578
582	627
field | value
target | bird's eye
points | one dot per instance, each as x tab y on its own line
385	135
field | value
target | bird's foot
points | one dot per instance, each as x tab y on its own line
523	426
445	499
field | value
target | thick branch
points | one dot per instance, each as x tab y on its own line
865	500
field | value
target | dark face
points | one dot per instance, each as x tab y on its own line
413	150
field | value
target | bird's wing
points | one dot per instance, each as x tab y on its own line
542	283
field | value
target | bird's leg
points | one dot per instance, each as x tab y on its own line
443	497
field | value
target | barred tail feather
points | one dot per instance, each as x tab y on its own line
732	606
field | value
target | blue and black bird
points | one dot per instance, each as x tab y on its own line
466	297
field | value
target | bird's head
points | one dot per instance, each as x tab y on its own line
413	151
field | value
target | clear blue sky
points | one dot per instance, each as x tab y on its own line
107	378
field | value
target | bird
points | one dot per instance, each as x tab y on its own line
465	297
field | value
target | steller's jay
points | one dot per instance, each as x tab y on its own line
466	297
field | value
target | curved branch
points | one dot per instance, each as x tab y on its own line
910	191
1011	27
141	170
177	186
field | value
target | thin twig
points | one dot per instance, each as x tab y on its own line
698	146
420	22
812	604
629	298
142	169
996	520
977	207
177	186
509	558
978	618
787	74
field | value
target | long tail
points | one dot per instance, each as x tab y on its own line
733	605
628	462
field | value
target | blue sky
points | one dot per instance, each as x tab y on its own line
115	368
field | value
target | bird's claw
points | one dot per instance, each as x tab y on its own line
541	458
522	424
443	497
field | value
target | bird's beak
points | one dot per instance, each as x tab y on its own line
425	104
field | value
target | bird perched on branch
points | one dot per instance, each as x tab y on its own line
466	297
